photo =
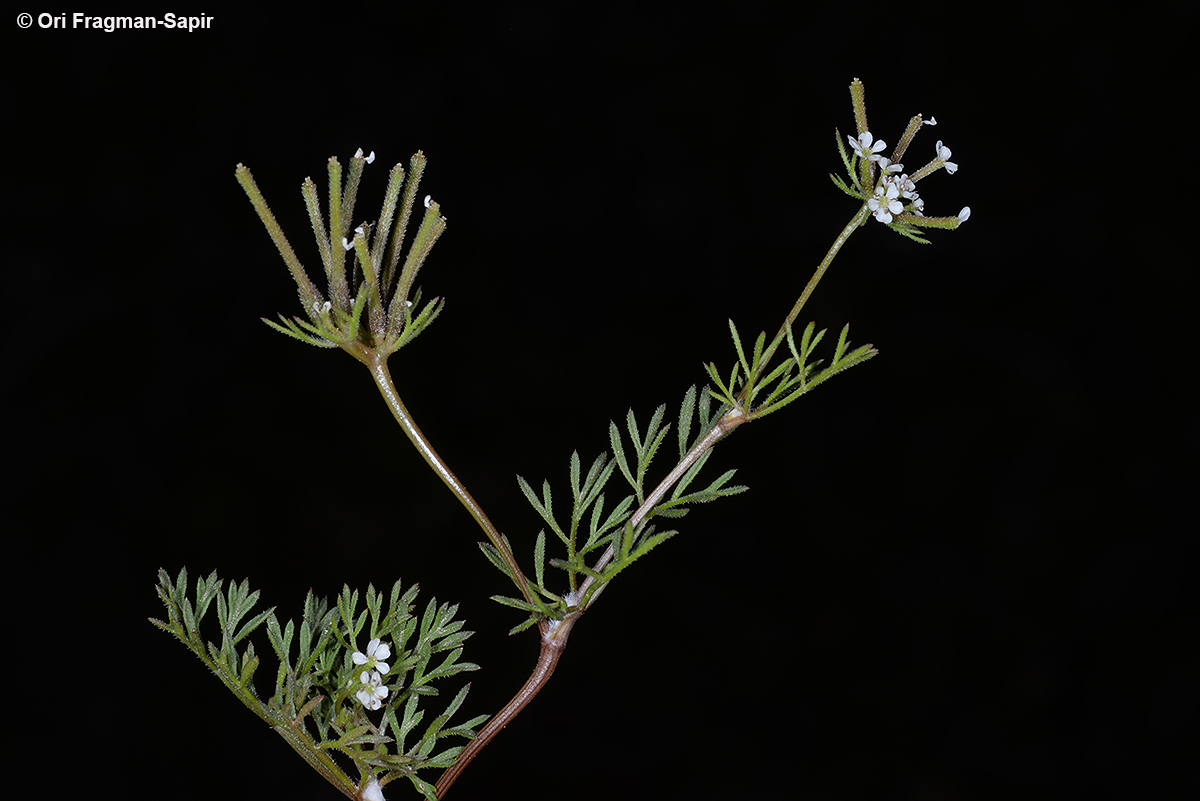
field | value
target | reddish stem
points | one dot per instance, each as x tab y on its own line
554	640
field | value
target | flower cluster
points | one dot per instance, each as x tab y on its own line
372	692
887	191
885	205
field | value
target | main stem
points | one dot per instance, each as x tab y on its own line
735	417
554	640
554	632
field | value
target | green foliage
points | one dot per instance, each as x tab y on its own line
622	531
758	395
851	163
313	704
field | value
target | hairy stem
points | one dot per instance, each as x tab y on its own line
320	760
554	640
383	380
859	218
554	632
727	423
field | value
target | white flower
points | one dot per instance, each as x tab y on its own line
964	214
888	167
322	308
428	200
884	204
346	244
907	188
864	148
943	153
377	651
930	121
372	692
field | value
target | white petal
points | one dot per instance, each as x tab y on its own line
862	145
358	659
382	667
964	214
346	245
369	159
372	792
930	121
428	200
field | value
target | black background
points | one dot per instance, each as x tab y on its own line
962	571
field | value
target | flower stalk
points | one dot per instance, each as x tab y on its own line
383	380
379	293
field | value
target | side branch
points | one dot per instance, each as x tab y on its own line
727	423
859	218
383	380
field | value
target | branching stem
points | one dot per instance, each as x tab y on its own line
554	632
727	423
554	640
